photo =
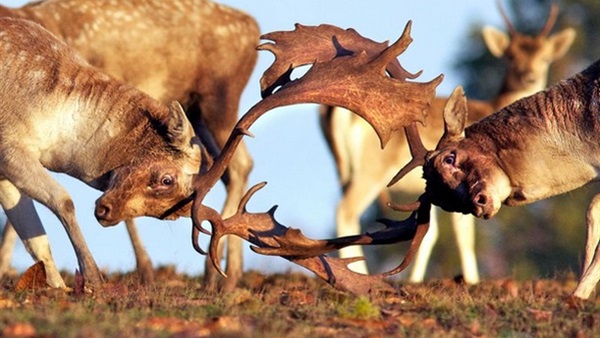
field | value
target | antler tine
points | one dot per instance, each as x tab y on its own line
422	216
417	150
509	25
551	20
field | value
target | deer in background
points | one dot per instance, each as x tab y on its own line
58	113
196	52
364	168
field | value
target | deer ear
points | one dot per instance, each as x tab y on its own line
179	128
496	40
561	42
455	115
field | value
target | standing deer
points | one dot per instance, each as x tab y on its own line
61	114
364	168
540	146
193	51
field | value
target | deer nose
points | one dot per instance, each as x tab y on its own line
483	207
102	213
480	199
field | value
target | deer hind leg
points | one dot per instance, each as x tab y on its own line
591	263
335	124
464	230
417	274
21	212
7	247
142	259
217	117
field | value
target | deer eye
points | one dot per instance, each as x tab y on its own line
166	180
449	159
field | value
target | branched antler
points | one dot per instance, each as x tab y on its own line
350	71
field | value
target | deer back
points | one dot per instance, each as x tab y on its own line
145	44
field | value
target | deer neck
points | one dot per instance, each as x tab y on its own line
511	92
547	144
101	133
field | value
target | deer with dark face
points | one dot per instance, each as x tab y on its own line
538	147
365	169
61	114
196	52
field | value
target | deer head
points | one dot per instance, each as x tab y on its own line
151	185
347	70
528	57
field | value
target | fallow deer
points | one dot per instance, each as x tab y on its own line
364	168
538	147
61	114
197	52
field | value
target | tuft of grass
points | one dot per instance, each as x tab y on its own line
359	308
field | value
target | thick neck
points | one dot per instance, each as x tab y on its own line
547	144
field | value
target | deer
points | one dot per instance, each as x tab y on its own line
204	62
364	169
63	115
538	147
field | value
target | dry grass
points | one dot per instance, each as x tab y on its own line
294	305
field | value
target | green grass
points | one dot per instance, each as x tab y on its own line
294	305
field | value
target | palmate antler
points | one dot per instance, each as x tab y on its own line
347	70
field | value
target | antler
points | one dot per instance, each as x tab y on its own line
417	150
272	238
551	20
547	26
348	71
511	29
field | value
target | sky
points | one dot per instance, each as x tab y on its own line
288	148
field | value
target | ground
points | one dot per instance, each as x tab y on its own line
294	305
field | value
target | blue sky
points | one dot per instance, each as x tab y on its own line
288	148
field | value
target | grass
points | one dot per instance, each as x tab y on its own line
295	305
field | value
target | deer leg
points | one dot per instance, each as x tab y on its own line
7	247
365	183
142	259
417	274
591	262
464	230
219	117
39	185
25	221
335	123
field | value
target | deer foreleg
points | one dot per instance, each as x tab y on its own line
142	259
464	230
591	262
39	185
417	274
22	214
7	246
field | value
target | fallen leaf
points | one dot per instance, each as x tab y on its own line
19	330
539	315
33	278
168	324
511	288
7	304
